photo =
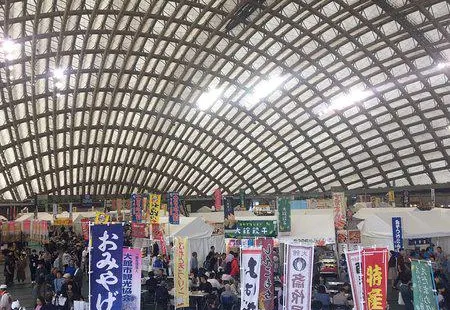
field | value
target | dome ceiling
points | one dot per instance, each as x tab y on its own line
114	97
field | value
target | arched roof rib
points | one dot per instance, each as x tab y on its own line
134	74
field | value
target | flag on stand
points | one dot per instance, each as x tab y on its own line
374	267
250	275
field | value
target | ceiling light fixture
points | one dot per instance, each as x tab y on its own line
262	90
209	98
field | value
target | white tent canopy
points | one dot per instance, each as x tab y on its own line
310	224
376	229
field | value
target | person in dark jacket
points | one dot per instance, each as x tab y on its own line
205	286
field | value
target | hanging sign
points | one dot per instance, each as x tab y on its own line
138	230
131	278
353	259
154	206
340	211
217	199
433	197
26	227
242	198
249	229
136	208
229	222
299	272
405	199
354	236
101	218
174	208
63	221
423	287
284	216
397	233
181	272
251	268
85	228
374	267
266	283
391	196
106	267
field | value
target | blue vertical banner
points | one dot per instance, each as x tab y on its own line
106	257
397	234
173	201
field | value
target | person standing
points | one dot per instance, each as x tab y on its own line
21	265
33	265
194	263
10	265
6	299
78	276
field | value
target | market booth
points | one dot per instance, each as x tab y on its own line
418	227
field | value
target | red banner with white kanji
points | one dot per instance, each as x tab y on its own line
138	230
266	283
375	269
299	273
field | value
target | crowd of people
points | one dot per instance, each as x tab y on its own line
401	276
56	272
217	278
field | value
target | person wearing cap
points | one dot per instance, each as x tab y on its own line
5	300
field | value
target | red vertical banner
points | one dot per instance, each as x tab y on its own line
375	267
85	228
26	227
138	230
266	283
217	199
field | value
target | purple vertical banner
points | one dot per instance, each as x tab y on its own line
105	287
174	208
131	278
266	282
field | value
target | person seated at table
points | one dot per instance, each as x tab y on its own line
194	282
205	286
162	295
316	305
341	298
151	283
323	297
214	282
228	298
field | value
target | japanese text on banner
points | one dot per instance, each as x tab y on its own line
374	266
154	207
251	267
284	215
423	289
397	235
266	283
174	208
106	267
131	279
353	259
181	273
299	269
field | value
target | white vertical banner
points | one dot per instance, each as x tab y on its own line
251	267
353	259
299	272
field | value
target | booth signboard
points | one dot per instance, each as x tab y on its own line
419	241
354	236
248	229
63	221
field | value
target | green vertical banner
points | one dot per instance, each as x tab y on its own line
423	287
284	216
242	198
